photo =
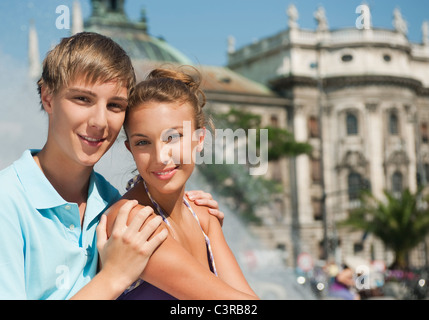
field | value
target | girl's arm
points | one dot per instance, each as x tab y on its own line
174	270
226	265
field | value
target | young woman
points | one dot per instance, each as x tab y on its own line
165	127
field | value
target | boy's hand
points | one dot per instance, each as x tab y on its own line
125	254
202	198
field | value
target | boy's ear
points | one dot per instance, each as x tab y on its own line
46	97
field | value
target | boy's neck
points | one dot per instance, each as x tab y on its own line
70	181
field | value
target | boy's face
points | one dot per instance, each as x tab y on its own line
84	120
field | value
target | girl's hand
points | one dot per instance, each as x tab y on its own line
202	198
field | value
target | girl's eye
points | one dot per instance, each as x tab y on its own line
173	137
142	143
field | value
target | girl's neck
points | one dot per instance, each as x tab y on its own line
170	203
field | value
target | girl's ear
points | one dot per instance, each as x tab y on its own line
46	97
127	145
202	136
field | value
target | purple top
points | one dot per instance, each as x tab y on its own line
142	290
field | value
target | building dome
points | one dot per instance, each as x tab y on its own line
109	18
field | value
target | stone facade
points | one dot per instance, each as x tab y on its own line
361	98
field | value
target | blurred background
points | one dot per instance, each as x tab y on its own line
342	88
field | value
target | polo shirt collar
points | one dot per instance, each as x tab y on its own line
39	190
43	195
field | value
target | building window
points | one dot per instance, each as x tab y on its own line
313	126
316	174
354	182
347	58
387	58
393	123
274	121
351	124
317	209
397	181
424	132
114	5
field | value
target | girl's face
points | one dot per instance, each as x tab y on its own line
84	121
163	141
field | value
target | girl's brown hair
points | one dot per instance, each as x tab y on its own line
168	85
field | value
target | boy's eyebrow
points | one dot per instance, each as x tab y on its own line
77	90
89	92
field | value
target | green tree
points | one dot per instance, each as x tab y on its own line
246	193
400	222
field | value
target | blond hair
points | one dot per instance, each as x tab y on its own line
94	57
168	85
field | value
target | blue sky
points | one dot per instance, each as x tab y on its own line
200	28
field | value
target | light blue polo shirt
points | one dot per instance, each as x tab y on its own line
44	251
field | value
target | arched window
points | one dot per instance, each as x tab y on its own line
313	126
354	182
393	123
397	181
351	124
424	132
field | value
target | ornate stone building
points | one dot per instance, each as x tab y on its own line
361	98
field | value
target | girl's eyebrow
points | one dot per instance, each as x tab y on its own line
139	135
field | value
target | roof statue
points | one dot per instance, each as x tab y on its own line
77	24
34	70
293	15
322	21
231	44
399	23
425	33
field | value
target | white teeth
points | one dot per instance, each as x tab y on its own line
164	173
91	139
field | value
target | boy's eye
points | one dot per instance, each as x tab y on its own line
81	99
117	107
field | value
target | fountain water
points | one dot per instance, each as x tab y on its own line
23	125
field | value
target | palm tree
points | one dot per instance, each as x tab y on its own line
401	222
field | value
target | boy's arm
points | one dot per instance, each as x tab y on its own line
124	254
205	199
12	279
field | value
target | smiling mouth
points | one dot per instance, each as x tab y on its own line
165	174
92	141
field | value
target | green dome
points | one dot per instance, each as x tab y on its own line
109	18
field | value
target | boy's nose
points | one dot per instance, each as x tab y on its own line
98	117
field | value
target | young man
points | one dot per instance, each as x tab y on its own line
52	200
